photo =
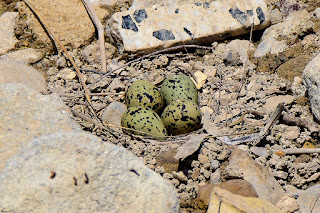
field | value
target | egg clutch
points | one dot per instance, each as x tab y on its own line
171	110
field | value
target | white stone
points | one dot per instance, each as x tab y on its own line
77	172
7	37
200	79
162	27
316	12
27	56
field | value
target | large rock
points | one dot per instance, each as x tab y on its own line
68	20
275	39
311	79
308	199
150	29
77	172
12	71
243	166
26	56
26	114
7	37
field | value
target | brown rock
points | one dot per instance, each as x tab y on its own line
167	161
68	20
239	187
243	166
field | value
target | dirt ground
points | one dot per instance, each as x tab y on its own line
224	93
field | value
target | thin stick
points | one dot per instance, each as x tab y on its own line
51	34
100	30
153	54
300	151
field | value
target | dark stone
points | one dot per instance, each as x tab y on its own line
140	15
127	23
250	12
260	15
163	35
189	33
176	11
206	5
238	15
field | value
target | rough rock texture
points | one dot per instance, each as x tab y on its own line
311	79
77	172
276	37
12	71
167	26
308	199
236	203
68	20
27	56
113	112
243	166
26	114
7	37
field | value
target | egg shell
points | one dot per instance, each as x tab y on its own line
179	86
181	116
143	119
143	93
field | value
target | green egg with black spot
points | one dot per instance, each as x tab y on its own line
179	86
144	119
143	93
181	116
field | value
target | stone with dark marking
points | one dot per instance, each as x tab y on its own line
140	15
240	16
206	5
163	35
181	116
128	23
176	11
260	15
250	12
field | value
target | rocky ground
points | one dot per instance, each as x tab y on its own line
240	84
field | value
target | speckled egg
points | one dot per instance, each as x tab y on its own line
143	93
143	119
179	86
181	116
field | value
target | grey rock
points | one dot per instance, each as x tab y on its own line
316	12
77	172
214	164
113	112
311	79
201	23
7	37
26	114
274	39
259	151
26	56
308	199
12	71
242	166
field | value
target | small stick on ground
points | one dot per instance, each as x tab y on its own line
300	151
51	34
100	30
302	122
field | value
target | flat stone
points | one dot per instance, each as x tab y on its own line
77	172
180	176
222	200
272	102
200	79
242	166
15	72
66	74
259	151
196	23
291	132
311	79
239	187
7	36
92	52
68	20
26	56
26	114
308	198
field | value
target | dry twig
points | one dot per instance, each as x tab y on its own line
52	35
100	30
